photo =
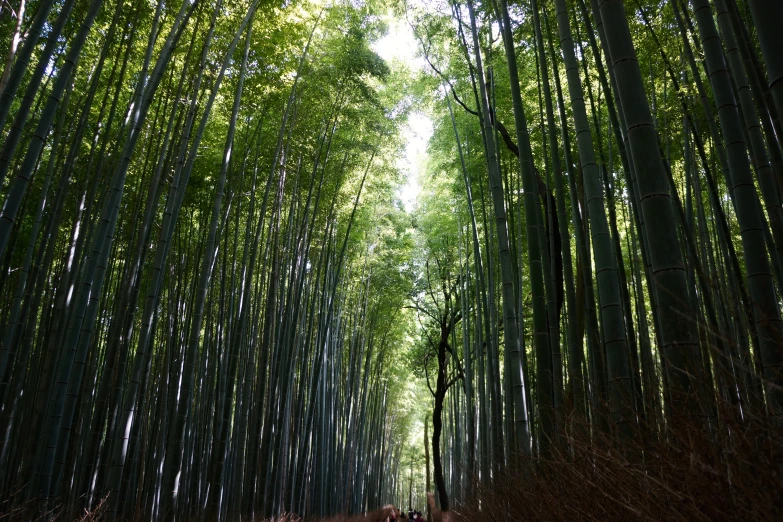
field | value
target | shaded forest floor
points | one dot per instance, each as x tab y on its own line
689	475
684	475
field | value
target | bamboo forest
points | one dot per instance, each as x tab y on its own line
391	260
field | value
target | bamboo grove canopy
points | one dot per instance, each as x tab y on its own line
217	304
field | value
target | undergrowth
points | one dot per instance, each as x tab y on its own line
728	473
730	470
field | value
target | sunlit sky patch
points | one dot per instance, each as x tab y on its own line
400	44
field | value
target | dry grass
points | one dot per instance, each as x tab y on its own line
729	474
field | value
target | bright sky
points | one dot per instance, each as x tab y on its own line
400	44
